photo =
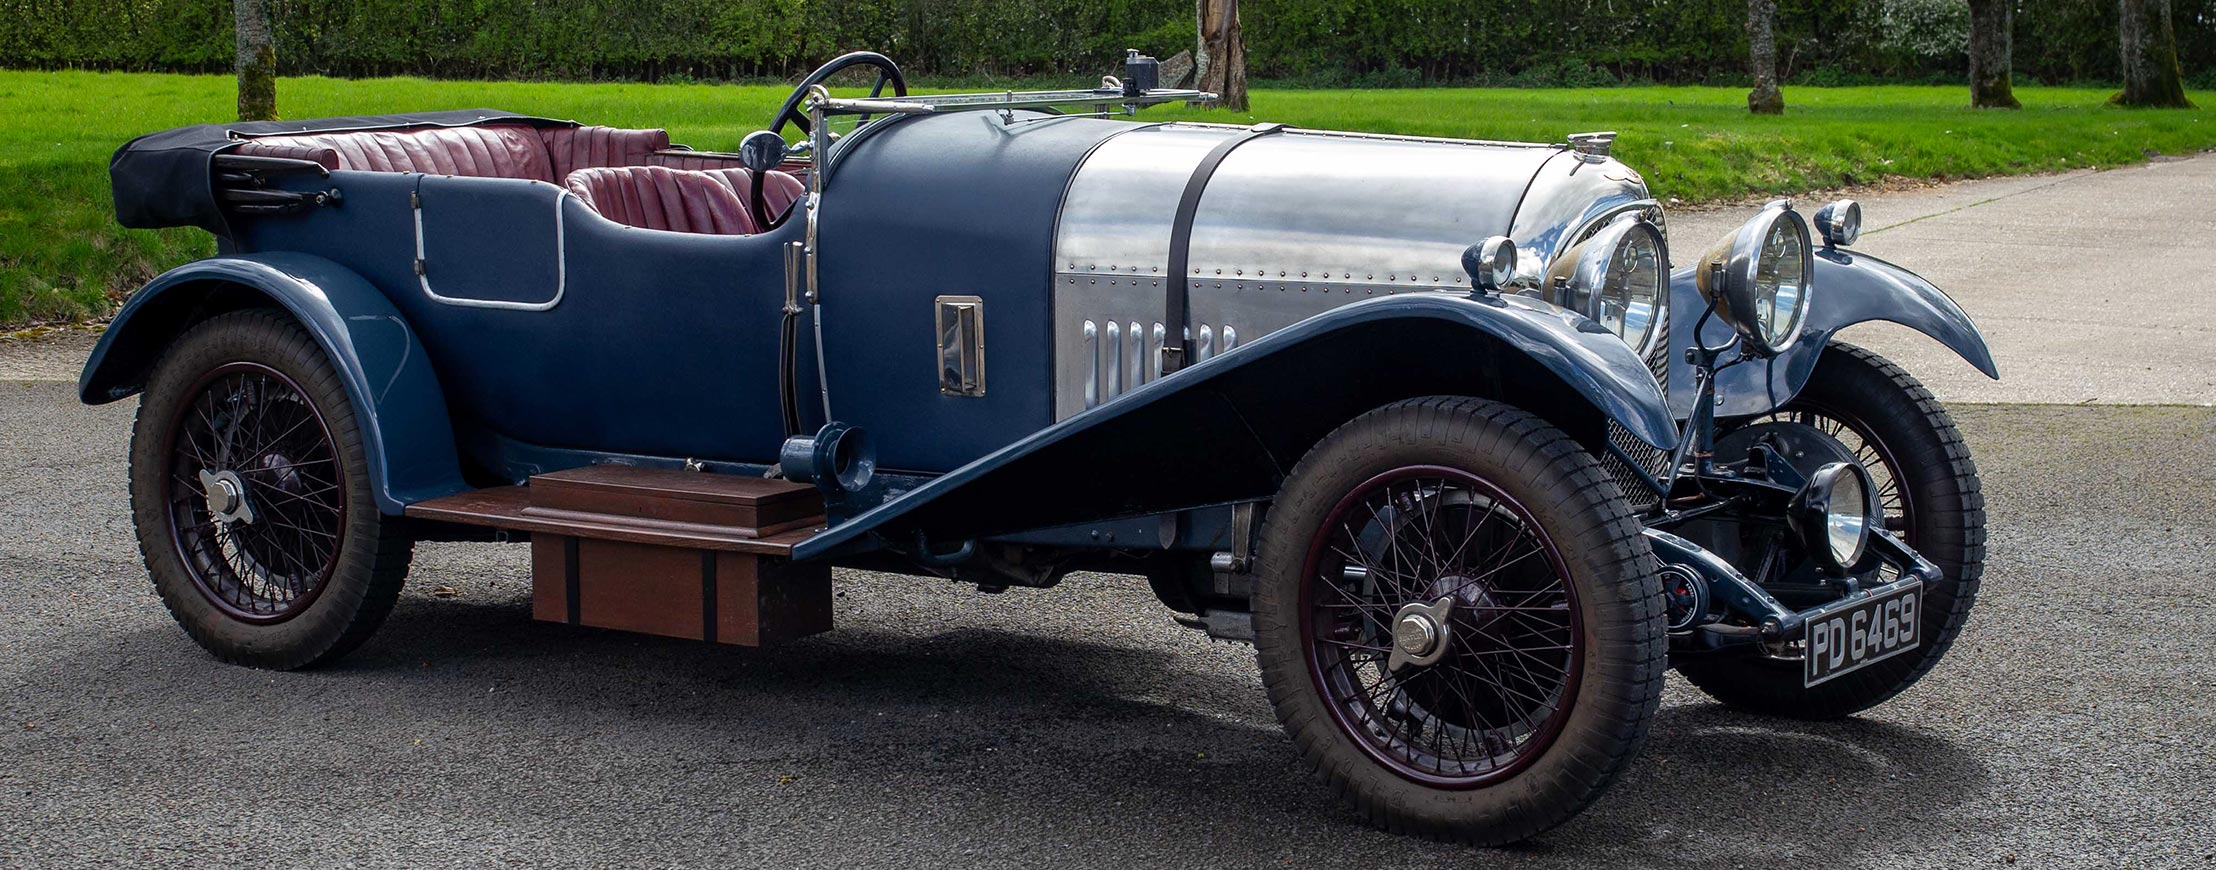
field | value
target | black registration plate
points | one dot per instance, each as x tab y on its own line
1854	634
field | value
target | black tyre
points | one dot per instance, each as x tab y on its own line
251	495
1931	497
1529	669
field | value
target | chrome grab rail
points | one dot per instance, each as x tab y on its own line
834	106
922	104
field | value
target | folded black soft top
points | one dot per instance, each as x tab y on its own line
166	179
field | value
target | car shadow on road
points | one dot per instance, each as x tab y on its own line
976	723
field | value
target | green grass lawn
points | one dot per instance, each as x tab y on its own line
62	256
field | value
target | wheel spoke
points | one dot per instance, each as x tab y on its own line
1351	645
251	425
1448	540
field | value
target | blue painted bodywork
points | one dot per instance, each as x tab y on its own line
663	343
1230	428
1848	288
389	376
956	204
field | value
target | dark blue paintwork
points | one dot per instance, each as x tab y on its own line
1848	288
388	375
664	344
955	204
1230	428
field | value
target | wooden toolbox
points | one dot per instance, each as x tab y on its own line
660	551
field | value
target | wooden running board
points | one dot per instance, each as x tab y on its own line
660	551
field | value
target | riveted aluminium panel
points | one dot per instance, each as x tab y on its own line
1327	208
1288	227
1116	216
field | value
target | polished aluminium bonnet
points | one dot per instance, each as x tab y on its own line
1290	225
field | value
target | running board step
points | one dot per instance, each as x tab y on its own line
659	551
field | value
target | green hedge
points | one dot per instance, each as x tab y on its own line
1570	42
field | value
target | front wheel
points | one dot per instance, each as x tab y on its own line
250	491
1458	621
1929	493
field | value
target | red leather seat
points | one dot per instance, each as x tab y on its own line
782	192
574	148
783	189
659	198
606	167
491	151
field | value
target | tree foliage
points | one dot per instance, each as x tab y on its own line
1350	42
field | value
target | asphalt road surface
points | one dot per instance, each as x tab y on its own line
2074	724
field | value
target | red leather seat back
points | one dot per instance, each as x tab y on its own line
782	192
490	151
659	198
574	148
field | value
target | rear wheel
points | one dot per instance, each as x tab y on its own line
1928	489
1458	621
251	497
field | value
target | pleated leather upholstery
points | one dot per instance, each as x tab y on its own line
782	192
574	148
693	160
699	161
291	150
606	167
491	151
660	198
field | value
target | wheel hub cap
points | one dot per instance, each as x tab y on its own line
1420	633
226	496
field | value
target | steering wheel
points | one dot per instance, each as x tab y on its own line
887	72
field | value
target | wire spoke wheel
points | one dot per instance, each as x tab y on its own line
1859	438
1928	488
252	498
256	499
1441	628
1458	619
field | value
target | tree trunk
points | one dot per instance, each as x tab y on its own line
1991	85
1762	58
257	60
2150	52
1220	59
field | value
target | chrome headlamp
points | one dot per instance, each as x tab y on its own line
1832	516
1491	263
1758	278
1617	278
1839	223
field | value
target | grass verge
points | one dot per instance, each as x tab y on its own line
62	257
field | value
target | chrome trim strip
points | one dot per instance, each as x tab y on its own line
1020	100
819	134
1160	335
1112	348
1137	339
1442	140
1092	365
1590	225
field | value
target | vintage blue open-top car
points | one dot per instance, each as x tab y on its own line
1441	426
